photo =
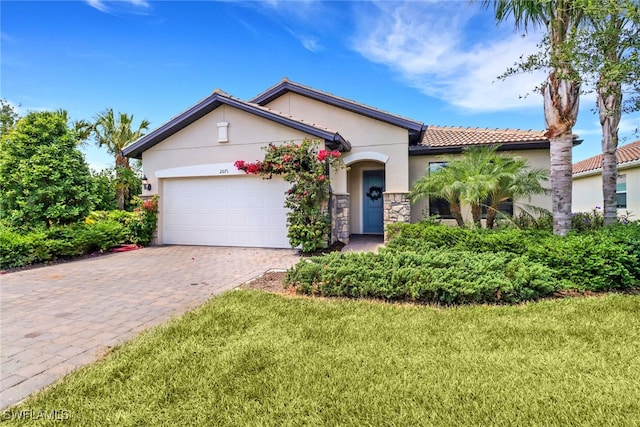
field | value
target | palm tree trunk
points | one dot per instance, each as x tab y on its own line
561	101
476	214
561	183
609	108
491	216
456	212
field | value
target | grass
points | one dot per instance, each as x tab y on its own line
252	358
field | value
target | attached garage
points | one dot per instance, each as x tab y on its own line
239	210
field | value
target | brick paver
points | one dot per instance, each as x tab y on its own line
55	319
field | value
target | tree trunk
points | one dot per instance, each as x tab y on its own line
456	212
561	182
491	216
476	214
561	100
609	109
122	162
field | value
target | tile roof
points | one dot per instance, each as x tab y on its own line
437	136
625	154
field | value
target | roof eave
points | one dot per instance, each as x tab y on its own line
173	126
287	86
422	150
333	139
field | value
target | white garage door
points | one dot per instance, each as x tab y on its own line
225	211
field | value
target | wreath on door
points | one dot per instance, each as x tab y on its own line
374	193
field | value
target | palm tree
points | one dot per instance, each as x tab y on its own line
115	133
480	174
80	129
443	184
465	179
561	91
515	181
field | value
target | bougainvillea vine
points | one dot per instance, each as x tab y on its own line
306	167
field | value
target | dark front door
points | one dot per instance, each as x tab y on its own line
372	189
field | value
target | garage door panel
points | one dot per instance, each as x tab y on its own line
225	211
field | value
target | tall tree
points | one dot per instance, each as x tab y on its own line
561	90
44	179
115	132
608	50
81	129
8	116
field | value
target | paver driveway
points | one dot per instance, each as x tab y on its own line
55	319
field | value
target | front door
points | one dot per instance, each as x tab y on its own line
372	189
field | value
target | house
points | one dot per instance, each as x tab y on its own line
205	200
587	181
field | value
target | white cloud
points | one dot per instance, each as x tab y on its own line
429	45
102	6
311	43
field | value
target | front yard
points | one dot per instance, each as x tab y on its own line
252	358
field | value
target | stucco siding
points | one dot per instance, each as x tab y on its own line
198	144
587	191
364	134
419	165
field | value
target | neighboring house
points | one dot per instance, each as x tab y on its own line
205	200
587	181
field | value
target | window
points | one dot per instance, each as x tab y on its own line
621	192
505	207
439	206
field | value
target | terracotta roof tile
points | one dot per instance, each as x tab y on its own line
437	136
625	154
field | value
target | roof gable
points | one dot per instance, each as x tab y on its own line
331	137
624	154
285	86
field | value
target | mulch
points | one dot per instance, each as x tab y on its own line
271	281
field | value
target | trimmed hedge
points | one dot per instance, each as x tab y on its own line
444	277
60	242
600	260
449	265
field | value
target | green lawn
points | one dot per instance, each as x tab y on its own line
249	358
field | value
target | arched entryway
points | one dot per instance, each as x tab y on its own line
366	187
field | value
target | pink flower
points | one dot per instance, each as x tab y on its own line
240	165
322	178
322	154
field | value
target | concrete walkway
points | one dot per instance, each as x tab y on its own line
364	243
55	319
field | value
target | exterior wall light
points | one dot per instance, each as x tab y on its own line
145	183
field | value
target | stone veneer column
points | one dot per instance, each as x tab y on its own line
396	208
340	218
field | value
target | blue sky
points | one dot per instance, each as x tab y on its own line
436	62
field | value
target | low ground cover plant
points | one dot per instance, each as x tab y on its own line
431	276
427	262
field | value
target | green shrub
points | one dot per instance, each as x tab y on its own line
596	260
593	262
18	249
436	276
